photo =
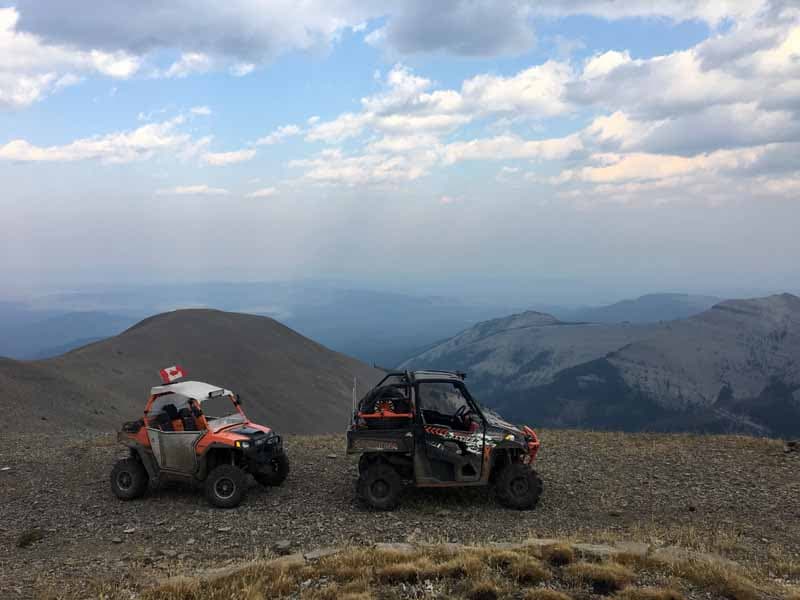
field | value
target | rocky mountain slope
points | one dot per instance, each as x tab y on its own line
734	367
650	308
285	380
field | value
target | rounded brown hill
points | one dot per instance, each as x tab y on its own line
285	380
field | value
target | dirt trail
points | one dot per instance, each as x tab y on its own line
735	495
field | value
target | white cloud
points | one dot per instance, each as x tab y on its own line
242	69
192	190
119	147
202	111
221	159
616	168
266	192
333	167
30	70
189	63
408	106
505	147
279	135
537	91
710	11
447	200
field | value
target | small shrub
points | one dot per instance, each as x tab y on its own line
721	578
484	590
408	572
648	594
545	594
29	536
529	571
604	578
558	555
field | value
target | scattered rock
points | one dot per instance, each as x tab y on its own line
332	456
5	469
282	547
129	530
633	548
116	540
394	546
793	446
541	542
597	551
321	553
224	529
190	541
29	536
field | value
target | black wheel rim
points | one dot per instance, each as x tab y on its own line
224	488
519	486
124	480
380	489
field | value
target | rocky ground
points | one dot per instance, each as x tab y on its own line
733	495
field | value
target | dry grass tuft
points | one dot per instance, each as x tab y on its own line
29	536
632	593
480	573
545	594
484	590
408	572
529	571
604	578
721	578
558	555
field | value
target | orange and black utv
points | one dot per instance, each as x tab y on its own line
178	438
424	429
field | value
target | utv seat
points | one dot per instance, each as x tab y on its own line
174	417
188	420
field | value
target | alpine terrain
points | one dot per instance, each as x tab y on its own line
732	368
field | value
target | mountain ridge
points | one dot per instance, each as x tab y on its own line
286	380
728	368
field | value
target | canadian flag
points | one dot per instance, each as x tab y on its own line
170	374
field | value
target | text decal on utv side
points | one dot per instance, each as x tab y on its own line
424	429
196	431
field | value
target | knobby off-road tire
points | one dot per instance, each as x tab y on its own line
518	486
275	473
128	479
226	486
380	486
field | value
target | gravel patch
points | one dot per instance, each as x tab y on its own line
728	494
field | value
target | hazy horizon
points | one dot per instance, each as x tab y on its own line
578	152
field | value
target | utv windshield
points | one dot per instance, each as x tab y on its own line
221	412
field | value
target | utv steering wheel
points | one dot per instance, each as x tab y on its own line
461	415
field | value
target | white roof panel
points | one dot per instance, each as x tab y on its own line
196	390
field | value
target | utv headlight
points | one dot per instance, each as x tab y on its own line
509	437
243	444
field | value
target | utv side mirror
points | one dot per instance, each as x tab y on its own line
238	399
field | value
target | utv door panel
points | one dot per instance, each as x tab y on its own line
175	450
447	454
453	456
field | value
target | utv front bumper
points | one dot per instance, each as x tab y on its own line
263	449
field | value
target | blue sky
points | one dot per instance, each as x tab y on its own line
625	146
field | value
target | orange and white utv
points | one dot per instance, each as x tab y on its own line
194	431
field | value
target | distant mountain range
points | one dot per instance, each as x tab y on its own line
286	380
650	308
732	368
376	327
